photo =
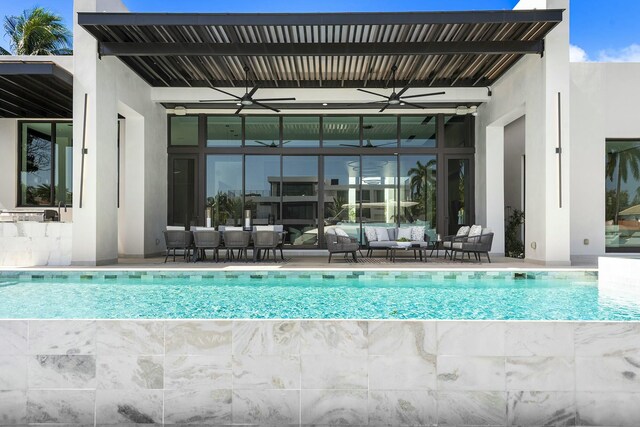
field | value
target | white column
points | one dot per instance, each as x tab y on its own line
95	225
494	180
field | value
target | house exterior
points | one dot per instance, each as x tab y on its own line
131	135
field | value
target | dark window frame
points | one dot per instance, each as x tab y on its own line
52	197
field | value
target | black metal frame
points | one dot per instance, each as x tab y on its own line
53	123
440	151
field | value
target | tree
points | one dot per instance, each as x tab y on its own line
37	32
623	161
422	185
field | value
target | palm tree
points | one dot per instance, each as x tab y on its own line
37	32
422	184
623	161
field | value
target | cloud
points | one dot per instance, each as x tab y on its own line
577	54
630	53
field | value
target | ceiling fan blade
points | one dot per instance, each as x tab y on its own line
265	106
424	94
274	99
384	108
364	103
262	143
239	109
253	90
349	145
403	90
373	93
285	142
386	143
226	93
413	105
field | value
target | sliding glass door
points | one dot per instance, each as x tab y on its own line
183	191
458	193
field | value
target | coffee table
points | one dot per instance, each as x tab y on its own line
420	248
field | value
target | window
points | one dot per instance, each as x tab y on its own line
418	131
457	131
380	131
184	130
224	131
341	132
622	203
301	131
261	131
46	163
418	193
224	188
300	199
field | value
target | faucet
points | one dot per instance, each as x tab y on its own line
61	203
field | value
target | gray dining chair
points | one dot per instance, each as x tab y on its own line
265	240
236	240
177	240
207	239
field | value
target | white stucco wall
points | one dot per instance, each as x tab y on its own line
8	163
604	104
113	88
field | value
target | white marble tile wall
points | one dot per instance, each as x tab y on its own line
30	243
333	372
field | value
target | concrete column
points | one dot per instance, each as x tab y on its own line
495	185
95	225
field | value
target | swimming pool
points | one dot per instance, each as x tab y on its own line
462	295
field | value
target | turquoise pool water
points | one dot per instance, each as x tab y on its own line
341	295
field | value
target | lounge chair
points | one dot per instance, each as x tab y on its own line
479	241
178	239
448	242
341	244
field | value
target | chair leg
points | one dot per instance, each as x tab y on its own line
275	256
174	254
488	257
329	258
167	256
281	254
354	257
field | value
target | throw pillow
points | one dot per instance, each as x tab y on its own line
405	233
463	231
475	230
417	234
341	232
370	232
382	234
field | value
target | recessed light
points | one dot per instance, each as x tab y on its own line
402	103
324	103
238	104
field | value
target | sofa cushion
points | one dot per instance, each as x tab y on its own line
417	234
385	244
405	232
463	231
382	234
341	232
370	233
475	230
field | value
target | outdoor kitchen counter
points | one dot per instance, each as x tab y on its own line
30	243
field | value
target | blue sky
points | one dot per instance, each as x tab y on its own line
600	30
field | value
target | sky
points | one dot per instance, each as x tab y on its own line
601	30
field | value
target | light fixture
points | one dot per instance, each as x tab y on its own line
324	104
179	111
402	103
461	110
238	104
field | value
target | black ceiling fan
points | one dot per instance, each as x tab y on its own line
368	144
247	99
397	98
273	144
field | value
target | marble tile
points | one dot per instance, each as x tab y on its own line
334	407
606	408
475	408
402	372
460	338
13	336
334	372
541	408
540	373
13	407
201	407
333	337
471	373
608	374
265	407
411	338
266	372
61	406
13	372
198	337
58	371
266	337
198	372
402	408
539	339
608	339
62	337
128	406
130	372
135	337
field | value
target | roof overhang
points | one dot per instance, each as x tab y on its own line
430	49
35	90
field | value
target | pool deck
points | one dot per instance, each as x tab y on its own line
319	262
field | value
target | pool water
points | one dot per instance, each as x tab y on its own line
305	295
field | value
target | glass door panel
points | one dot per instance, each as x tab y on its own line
418	192
458	194
224	189
342	193
379	191
300	199
262	188
183	192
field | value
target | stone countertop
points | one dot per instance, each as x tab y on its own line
32	243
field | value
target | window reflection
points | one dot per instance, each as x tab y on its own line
341	193
224	189
380	131
224	131
456	131
379	192
622	212
301	131
36	164
262	188
341	132
184	130
300	199
418	131
418	192
261	131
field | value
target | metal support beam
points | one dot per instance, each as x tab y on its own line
321	49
